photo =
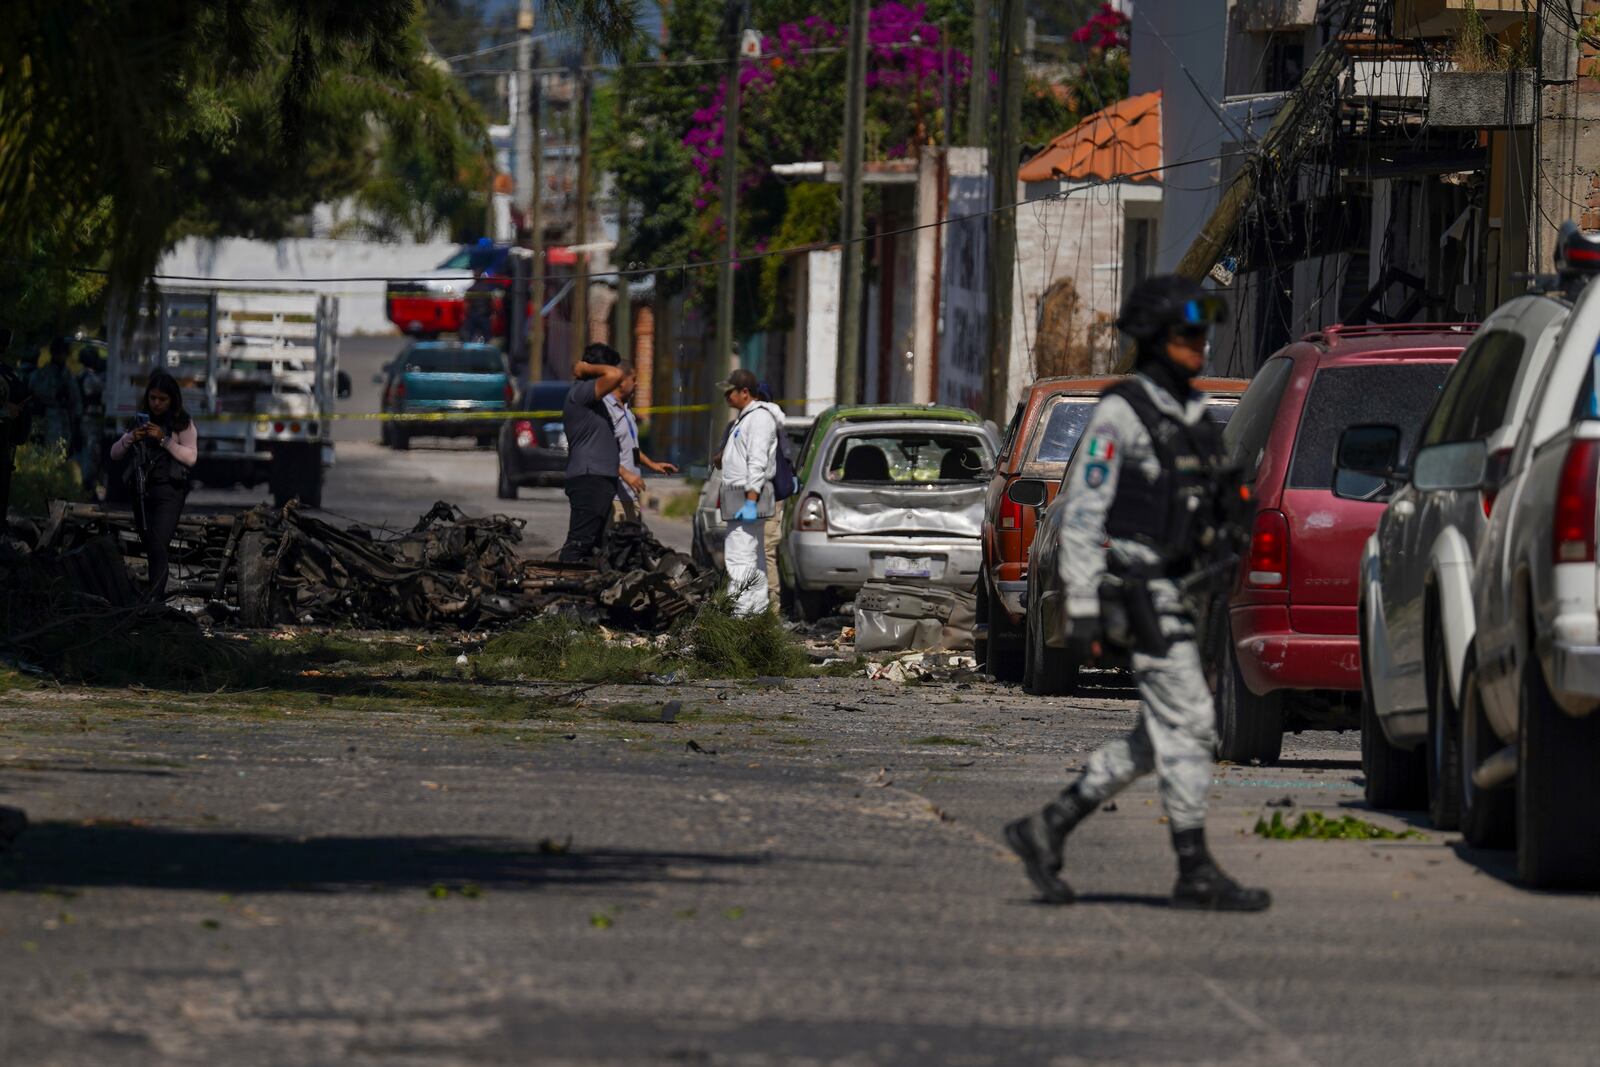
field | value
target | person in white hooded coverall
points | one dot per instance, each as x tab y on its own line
749	460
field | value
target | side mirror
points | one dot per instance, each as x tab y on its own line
1029	492
1458	465
1371	449
344	386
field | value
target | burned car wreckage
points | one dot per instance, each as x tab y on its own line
270	566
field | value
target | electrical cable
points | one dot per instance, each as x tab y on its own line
642	271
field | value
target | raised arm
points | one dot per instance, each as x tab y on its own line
606	378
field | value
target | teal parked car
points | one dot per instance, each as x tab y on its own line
450	382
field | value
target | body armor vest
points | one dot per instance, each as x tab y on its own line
1174	511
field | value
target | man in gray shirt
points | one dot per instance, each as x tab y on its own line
592	453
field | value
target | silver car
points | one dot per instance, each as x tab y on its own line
1416	609
898	499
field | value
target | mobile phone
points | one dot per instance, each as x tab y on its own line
141	418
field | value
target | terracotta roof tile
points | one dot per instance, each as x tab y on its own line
1122	139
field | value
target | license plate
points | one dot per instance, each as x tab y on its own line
908	567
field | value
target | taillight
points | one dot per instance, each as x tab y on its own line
1010	514
813	514
1494	471
1268	566
523	429
399	392
511	395
1573	529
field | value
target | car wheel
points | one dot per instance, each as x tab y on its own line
813	603
1444	748
399	439
385	434
485	442
1558	792
1002	654
1047	671
1249	727
1397	778
504	487
1488	816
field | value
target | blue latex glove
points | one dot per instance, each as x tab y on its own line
746	513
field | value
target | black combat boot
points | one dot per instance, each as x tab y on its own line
1037	840
1201	883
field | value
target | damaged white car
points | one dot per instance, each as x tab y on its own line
899	499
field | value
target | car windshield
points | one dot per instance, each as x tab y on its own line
454	359
546	397
1398	394
1064	424
462	260
909	457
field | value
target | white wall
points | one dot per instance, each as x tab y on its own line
1078	236
1174	41
355	271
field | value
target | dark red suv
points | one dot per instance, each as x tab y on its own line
1289	655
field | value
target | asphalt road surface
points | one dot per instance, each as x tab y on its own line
818	879
382	487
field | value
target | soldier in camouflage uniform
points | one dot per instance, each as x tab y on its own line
1141	491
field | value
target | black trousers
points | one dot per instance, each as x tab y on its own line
590	496
163	504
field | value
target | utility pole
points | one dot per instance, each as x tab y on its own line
535	217
853	224
1002	199
722	358
978	88
580	224
522	135
622	311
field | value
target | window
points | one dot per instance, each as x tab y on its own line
546	396
1245	439
455	359
1473	404
1063	425
1011	432
1400	394
909	457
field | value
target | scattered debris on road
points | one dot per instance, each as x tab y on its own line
1314	825
896	616
270	566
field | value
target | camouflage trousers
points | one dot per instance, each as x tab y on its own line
1175	737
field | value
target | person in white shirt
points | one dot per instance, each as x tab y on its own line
749	461
630	503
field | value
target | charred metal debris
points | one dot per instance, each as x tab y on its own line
271	566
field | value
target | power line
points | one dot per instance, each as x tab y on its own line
645	271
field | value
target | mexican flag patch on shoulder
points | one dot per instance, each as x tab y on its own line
1102	448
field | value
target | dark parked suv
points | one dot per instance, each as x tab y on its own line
1287	654
532	447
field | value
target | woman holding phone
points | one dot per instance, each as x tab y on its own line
164	446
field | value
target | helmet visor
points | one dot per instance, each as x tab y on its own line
1205	311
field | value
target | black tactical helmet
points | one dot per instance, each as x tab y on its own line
1166	300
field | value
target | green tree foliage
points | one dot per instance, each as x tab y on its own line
793	110
219	115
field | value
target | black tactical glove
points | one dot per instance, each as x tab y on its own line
1085	640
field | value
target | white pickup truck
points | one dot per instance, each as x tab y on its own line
259	370
1531	684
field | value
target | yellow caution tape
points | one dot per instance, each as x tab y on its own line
431	416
